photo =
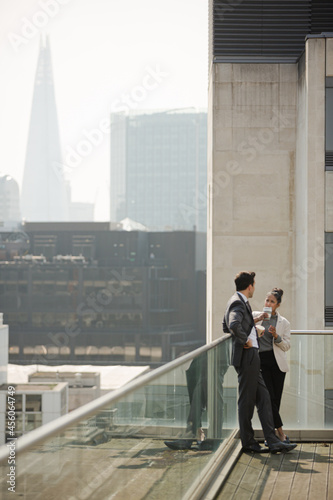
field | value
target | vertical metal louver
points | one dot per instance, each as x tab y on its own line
329	160
328	315
267	30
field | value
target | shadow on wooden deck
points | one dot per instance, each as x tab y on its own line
304	473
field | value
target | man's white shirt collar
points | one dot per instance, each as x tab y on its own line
253	334
244	296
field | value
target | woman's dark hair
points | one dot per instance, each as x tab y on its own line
244	279
277	292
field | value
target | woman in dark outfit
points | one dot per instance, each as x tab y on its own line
273	346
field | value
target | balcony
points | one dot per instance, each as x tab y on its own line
114	447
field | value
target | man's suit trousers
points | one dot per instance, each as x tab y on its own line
253	392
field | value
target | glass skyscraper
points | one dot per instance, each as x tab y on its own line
159	169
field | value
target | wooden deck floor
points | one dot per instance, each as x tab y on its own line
145	469
305	473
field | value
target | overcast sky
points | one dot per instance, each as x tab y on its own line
106	55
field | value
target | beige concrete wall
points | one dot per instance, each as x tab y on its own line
267	209
210	159
329	56
252	137
270	203
307	272
266	183
300	234
329	201
329	175
4	335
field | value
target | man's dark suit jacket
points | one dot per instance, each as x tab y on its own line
238	321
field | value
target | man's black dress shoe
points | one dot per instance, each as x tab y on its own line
255	448
179	444
282	447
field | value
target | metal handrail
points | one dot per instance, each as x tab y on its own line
48	430
311	332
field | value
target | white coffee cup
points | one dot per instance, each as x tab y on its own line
268	310
260	330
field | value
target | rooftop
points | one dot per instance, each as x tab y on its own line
112	377
31	387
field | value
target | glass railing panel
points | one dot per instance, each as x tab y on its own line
222	395
307	401
144	444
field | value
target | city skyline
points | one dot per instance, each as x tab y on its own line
106	57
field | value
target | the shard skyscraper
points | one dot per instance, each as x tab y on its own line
44	193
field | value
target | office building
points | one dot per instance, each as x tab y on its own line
85	293
3	351
10	215
159	169
270	173
270	148
13	242
83	387
34	405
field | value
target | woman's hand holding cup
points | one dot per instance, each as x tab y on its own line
268	312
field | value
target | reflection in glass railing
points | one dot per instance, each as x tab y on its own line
307	401
153	441
161	435
308	395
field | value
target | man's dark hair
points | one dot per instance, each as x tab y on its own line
244	279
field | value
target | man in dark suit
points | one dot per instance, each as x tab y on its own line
238	321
